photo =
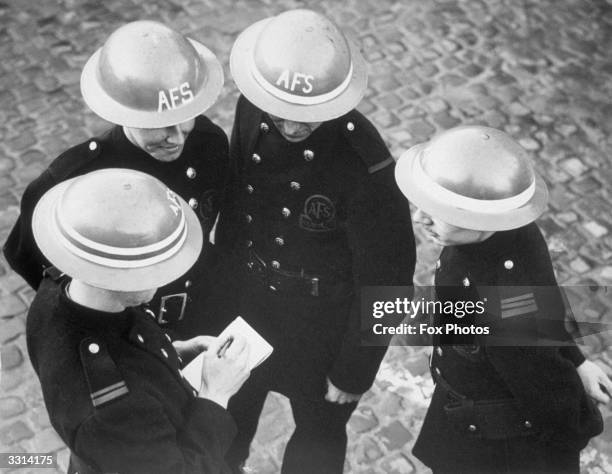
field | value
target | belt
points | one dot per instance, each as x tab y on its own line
288	282
500	418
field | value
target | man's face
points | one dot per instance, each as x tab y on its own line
446	234
294	131
163	144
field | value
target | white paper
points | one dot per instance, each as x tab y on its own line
259	350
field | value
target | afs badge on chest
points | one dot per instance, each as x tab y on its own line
319	214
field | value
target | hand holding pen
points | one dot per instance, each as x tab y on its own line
224	369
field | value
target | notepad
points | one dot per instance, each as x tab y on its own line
259	350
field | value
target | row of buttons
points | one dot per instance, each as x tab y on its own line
265	128
308	156
294	185
277	240
285	212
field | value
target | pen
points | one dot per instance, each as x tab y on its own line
225	346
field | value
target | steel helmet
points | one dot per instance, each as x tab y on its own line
473	177
149	76
117	229
298	66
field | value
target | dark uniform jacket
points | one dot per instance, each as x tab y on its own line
114	392
505	409
198	176
310	223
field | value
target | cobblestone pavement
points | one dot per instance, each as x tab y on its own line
539	69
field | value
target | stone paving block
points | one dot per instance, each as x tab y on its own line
10	407
398	464
15	432
10	328
596	229
11	357
367	451
10	305
46	441
395	435
363	420
39	417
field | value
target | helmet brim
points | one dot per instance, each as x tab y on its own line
240	66
102	104
426	200
47	236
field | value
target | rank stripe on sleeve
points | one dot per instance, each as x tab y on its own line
518	311
514	299
109	393
518	305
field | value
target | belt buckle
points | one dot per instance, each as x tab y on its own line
170	299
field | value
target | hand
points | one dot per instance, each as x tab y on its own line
190	348
335	395
593	378
224	371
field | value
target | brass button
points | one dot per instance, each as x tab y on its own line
472	428
140	338
193	202
466	281
275	264
93	146
438	264
295	186
248	218
249	243
308	155
187	283
527	424
509	264
191	173
256	158
439	351
279	241
286	212
263	126
350	126
250	189
93	347
250	265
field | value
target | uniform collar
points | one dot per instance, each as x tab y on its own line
101	322
495	246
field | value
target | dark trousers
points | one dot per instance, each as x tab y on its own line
318	444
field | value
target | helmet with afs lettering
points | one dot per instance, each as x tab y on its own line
473	177
298	66
149	76
117	229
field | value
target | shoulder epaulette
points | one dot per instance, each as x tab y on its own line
75	158
104	380
366	141
53	273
